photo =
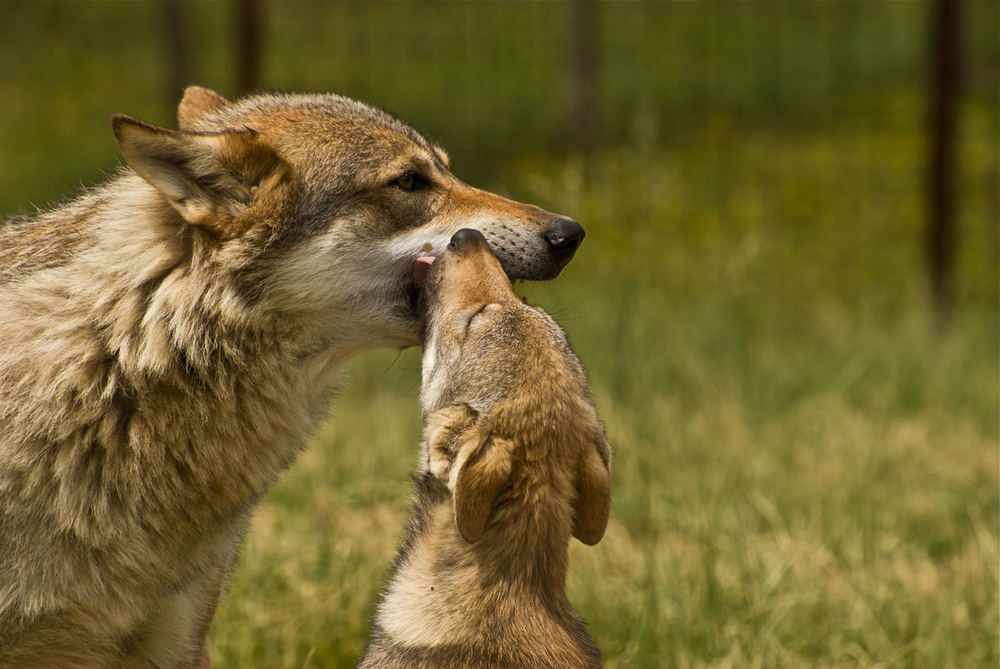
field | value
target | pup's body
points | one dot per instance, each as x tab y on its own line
168	339
515	464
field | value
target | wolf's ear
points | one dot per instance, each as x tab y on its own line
593	488
209	178
196	103
475	464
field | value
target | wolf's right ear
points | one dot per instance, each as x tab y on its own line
197	103
209	178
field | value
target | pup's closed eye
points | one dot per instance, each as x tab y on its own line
487	309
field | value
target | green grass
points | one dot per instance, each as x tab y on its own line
806	470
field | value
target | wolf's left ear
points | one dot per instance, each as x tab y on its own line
210	179
593	488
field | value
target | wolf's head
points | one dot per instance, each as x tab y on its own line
316	207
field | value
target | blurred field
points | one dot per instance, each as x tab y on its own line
807	471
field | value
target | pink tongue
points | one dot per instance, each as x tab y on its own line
420	268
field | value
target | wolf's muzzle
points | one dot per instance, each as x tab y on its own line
564	236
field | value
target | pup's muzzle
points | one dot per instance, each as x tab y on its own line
468	238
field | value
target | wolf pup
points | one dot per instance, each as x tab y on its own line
515	462
169	338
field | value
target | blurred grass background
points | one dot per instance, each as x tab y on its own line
806	469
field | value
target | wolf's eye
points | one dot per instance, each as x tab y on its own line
412	181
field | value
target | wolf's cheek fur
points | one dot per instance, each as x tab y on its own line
334	275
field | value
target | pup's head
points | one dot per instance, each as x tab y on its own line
320	205
501	388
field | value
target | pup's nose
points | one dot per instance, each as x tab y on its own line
467	236
564	236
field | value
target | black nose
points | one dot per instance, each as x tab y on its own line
466	236
564	236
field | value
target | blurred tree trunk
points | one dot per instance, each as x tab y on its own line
248	38
941	221
177	61
584	72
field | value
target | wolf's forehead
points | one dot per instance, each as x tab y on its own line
333	129
331	115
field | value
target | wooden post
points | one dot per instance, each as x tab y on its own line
584	72
248	38
177	52
941	233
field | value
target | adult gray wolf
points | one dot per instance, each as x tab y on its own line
514	462
167	340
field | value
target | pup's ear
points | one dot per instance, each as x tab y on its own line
475	464
208	178
442	432
480	473
593	487
196	103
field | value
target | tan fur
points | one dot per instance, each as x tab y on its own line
169	338
515	463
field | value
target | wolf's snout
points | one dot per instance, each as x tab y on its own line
564	236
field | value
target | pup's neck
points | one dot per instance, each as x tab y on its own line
501	598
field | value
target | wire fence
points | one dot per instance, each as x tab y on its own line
492	80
